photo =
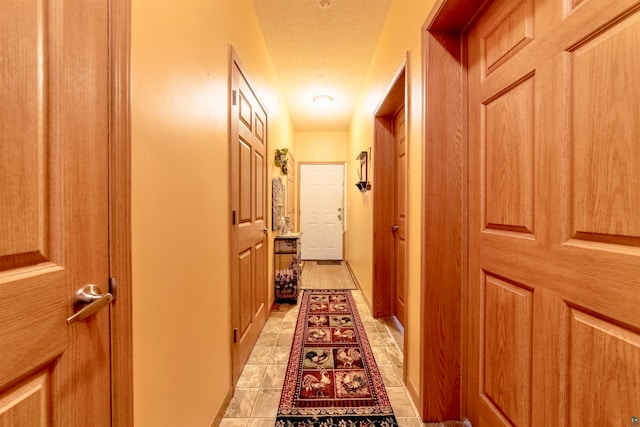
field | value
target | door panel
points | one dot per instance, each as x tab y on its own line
554	251
28	402
605	177
245	214
258	172
609	357
248	150
261	292
507	320
54	146
508	150
245	302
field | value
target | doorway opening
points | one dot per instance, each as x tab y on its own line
389	225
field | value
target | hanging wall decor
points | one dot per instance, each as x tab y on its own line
278	198
282	160
363	183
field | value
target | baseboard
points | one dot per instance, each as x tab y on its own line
413	393
355	280
353	276
223	408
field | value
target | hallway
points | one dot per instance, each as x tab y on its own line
491	162
537	216
258	390
181	56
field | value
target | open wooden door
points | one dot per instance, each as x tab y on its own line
390	202
54	212
249	231
554	209
399	228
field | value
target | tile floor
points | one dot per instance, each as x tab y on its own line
257	395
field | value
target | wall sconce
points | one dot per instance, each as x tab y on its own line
363	183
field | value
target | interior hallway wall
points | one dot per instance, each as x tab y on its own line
321	146
180	199
401	37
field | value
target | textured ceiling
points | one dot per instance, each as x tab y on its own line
320	51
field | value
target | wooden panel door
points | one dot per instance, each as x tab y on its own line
249	217
387	192
554	210
54	145
400	209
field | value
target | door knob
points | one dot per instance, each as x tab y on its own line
265	230
394	228
88	300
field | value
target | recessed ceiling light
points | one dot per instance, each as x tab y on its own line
322	100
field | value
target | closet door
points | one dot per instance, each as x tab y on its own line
249	281
554	211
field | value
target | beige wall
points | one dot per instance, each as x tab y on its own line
181	298
400	39
321	146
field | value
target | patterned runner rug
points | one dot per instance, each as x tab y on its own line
332	378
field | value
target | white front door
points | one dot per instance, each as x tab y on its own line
321	211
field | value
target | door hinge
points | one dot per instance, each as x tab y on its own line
235	335
234	97
233	217
113	287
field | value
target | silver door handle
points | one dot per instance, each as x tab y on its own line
394	228
88	300
265	230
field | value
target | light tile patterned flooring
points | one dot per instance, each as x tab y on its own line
257	395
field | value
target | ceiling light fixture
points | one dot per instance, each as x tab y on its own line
324	4
322	100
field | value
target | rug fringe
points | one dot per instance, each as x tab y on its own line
465	423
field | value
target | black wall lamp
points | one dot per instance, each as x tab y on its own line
363	183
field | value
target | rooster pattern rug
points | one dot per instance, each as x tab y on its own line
332	378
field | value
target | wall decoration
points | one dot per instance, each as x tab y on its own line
282	160
278	197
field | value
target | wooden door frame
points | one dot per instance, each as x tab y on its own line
120	211
344	199
444	237
383	193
